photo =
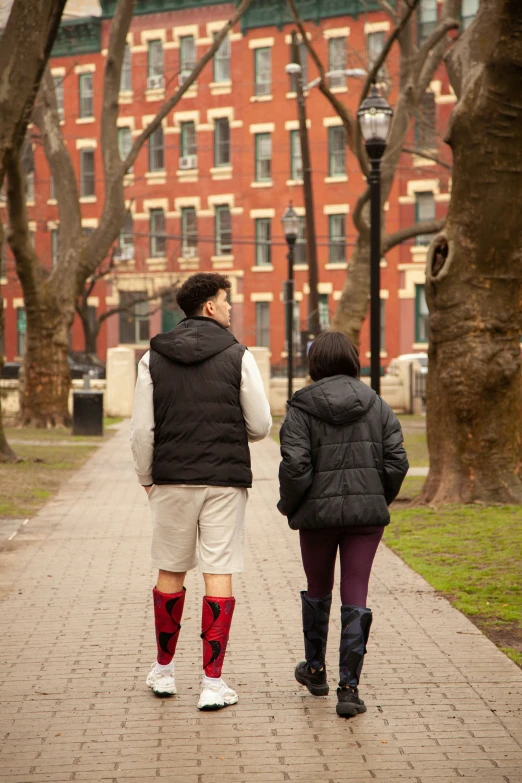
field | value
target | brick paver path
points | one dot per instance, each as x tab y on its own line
77	643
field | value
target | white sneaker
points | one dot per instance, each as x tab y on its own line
215	696
162	683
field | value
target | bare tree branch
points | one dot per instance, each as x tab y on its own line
46	119
428	156
349	120
28	267
381	59
387	8
424	227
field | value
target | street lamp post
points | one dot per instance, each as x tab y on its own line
375	116
290	221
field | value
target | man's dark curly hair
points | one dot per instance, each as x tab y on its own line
198	289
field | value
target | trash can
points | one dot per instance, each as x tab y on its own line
87	412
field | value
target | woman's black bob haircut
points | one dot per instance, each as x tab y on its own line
333	353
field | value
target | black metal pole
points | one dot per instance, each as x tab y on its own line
375	274
290	319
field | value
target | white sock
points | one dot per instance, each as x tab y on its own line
209	681
160	669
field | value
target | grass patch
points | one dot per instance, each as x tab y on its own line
473	556
25	486
108	420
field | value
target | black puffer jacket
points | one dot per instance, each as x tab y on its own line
343	458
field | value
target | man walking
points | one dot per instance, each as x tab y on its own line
199	399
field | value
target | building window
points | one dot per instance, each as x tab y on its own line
263	324
469	11
263	152
263	241
21	330
158	239
27	160
422	315
126	70
126	241
223	231
425	129
58	93
263	71
86	95
427	19
134	318
189	232
87	183
337	61
324	312
156	153
155	65
296	160
337	234
424	210
187	54
222	62
188	140
55	246
336	151
222	142
375	43
300	243
124	142
302	58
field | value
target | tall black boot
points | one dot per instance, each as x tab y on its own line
355	630
316	616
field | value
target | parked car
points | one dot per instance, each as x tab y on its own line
421	358
81	364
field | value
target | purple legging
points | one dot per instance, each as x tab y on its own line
357	547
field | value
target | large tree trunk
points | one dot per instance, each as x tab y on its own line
353	305
474	283
46	376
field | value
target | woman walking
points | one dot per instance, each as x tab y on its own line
343	463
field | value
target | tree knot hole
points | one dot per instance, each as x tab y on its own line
440	256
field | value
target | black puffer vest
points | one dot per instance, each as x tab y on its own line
200	435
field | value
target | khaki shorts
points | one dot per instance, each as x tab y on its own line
207	521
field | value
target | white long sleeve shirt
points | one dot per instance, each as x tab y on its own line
252	398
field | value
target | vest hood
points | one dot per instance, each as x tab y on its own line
193	340
337	400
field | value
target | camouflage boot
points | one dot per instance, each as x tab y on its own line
316	616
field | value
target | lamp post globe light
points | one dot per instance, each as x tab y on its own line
375	116
290	221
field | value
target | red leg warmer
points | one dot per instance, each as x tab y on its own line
167	616
215	628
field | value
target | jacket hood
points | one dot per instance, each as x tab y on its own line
193	340
337	400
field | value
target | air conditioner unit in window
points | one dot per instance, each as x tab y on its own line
125	253
263	88
156	82
189	252
184	74
188	162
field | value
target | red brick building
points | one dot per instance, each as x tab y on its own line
208	190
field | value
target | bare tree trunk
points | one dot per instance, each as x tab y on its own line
49	307
474	281
25	47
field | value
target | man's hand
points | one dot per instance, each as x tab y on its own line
147	489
